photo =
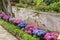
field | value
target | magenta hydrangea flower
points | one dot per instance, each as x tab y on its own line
51	36
55	34
1	15
31	27
7	18
16	21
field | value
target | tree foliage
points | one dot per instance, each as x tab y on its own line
55	6
38	2
48	2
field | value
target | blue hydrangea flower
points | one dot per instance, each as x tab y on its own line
11	19
22	24
39	32
35	31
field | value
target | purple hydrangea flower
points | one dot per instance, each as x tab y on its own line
1	15
6	17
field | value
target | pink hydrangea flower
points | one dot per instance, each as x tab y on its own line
31	27
16	21
48	36
55	34
22	29
29	32
7	18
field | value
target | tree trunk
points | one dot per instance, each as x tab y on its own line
4	5
10	8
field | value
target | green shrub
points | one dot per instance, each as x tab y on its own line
46	8
29	2
39	8
55	6
42	8
48	2
22	1
38	2
21	5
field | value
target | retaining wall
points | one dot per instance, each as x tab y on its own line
46	21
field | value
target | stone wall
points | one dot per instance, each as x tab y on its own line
44	20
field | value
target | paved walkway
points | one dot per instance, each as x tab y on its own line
4	35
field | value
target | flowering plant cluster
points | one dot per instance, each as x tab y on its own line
22	25
16	21
39	33
5	17
31	29
1	15
11	19
51	36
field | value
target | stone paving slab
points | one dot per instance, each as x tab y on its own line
4	35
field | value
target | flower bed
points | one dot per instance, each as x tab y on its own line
16	31
23	29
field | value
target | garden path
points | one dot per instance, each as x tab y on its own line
4	35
